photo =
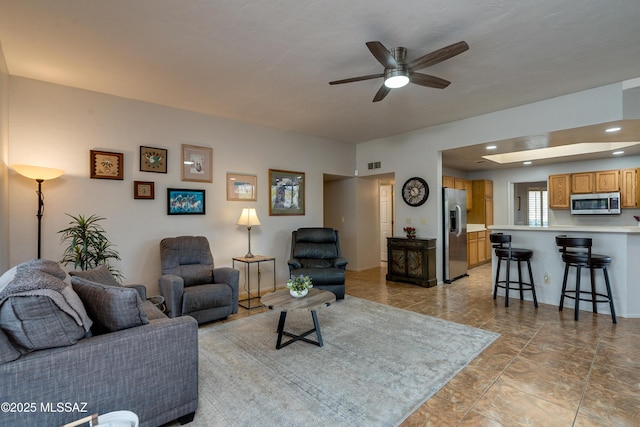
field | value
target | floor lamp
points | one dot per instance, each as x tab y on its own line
40	174
248	217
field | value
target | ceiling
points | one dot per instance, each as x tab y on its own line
471	158
269	62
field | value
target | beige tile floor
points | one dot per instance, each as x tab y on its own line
544	370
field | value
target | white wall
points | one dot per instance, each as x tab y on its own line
418	153
56	126
4	156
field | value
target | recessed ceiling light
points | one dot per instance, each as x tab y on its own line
616	129
526	163
491	147
617	153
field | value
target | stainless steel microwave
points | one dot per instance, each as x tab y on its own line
595	204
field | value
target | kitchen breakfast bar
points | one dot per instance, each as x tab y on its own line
621	243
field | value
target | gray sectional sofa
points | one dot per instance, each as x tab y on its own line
149	365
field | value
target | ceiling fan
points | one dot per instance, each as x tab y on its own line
398	73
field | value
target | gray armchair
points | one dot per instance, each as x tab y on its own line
315	252
191	285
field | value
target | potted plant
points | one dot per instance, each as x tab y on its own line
87	245
299	285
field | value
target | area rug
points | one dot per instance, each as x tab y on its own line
377	366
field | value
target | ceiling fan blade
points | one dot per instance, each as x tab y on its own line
428	81
438	56
357	79
382	54
382	92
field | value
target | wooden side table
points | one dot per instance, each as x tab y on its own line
256	259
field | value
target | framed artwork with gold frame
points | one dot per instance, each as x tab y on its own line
242	187
286	190
197	163
143	190
106	165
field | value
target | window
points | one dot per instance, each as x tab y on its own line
537	207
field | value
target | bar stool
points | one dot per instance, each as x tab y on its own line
508	254
576	252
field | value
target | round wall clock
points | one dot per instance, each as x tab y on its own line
415	191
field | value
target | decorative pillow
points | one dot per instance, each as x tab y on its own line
112	308
35	322
99	274
39	310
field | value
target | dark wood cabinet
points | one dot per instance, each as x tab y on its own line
412	261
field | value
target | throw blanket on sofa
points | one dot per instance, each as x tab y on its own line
41	277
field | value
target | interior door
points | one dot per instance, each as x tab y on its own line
386	218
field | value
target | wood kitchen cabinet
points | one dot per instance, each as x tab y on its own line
629	188
460	184
412	261
607	181
482	247
448	181
478	251
468	185
472	249
559	191
582	183
482	210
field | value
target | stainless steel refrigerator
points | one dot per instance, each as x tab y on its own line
455	234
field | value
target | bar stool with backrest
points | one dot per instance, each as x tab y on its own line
576	252
504	252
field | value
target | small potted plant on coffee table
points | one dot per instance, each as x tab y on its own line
299	285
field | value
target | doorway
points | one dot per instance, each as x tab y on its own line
386	217
530	203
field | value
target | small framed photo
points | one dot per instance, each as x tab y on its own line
197	163
242	187
106	165
143	190
153	159
286	189
185	202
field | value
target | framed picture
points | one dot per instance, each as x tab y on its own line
242	187
143	190
106	165
197	163
153	159
286	189
185	202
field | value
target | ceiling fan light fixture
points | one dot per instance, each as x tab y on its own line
394	79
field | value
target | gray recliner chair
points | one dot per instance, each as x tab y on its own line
315	252
191	285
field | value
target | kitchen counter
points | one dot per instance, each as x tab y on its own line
621	243
632	229
475	227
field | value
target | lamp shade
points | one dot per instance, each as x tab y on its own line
248	217
37	172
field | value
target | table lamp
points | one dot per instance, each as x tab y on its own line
40	174
248	217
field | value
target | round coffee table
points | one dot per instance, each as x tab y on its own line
283	301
